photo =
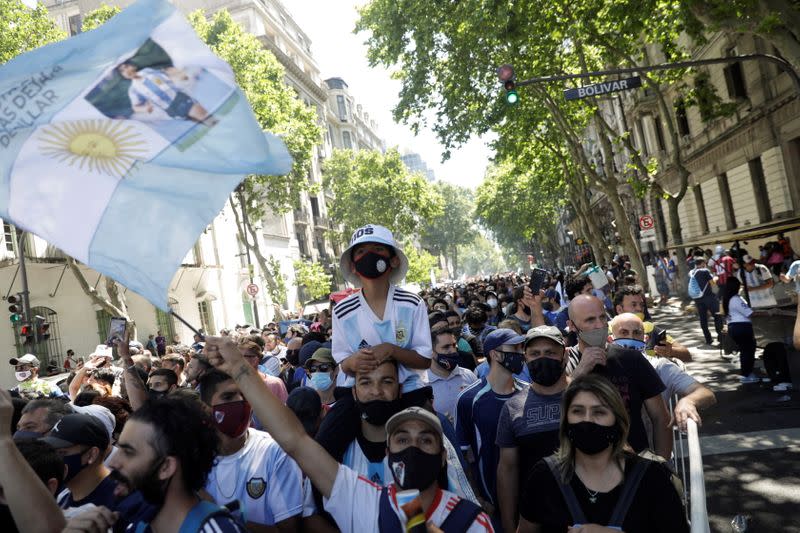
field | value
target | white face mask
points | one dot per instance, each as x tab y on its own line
22	376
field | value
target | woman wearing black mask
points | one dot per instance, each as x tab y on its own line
585	482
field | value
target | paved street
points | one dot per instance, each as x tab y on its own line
750	439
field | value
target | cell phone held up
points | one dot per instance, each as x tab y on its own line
538	276
116	330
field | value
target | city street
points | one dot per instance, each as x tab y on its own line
750	440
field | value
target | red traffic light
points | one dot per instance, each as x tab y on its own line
26	330
510	85
505	72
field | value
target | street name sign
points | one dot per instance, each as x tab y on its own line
606	87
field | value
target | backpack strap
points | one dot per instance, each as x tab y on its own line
461	517
199	514
388	521
566	491
632	481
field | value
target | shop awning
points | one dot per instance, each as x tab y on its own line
742	234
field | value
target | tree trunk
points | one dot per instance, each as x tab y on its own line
242	230
114	305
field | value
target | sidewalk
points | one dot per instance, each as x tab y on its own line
750	439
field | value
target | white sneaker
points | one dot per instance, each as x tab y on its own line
766	380
750	379
782	387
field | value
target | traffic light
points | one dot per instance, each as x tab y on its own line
17	307
506	75
26	334
42	328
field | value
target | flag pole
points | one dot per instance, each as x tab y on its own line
176	315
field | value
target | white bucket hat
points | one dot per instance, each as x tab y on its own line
376	234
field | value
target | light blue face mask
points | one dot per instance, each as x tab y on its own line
633	344
320	381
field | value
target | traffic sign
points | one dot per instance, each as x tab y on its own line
252	289
603	88
647	233
646	222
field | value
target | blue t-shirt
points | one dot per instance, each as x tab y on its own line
477	414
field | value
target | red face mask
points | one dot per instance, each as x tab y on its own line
232	418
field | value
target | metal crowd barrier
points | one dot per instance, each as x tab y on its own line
694	493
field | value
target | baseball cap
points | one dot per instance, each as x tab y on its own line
101	350
307	350
544	332
414	413
78	429
100	412
321	355
377	234
500	337
28	359
748	259
306	404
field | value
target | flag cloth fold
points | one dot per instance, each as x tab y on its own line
120	145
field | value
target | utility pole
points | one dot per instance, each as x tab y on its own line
26	295
246	224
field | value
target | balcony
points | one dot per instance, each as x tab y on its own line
321	222
301	216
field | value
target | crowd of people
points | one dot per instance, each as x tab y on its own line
494	405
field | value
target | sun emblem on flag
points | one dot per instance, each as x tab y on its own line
108	147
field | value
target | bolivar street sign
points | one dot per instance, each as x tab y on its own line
603	88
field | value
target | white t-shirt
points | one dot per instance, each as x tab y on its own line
355	503
759	276
267	483
404	324
446	390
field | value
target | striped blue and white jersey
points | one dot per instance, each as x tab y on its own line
404	323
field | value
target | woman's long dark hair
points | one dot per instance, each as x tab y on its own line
731	290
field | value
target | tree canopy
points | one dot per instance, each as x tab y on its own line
375	188
24	29
453	228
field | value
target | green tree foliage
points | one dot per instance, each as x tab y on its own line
312	279
375	188
445	233
24	29
98	17
420	263
482	257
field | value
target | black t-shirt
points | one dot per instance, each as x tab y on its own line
703	278
635	379
102	495
656	507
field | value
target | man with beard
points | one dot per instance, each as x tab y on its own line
167	450
251	468
415	451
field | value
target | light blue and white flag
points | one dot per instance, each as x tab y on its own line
121	145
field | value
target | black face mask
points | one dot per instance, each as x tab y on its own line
372	265
414	469
545	371
293	357
513	361
156	394
377	412
591	438
448	361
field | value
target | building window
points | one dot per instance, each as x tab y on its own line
734	79
165	324
206	317
347	140
75	25
760	189
659	133
10	237
727	202
103	318
314	206
342	107
681	117
701	209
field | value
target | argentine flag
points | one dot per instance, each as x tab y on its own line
120	145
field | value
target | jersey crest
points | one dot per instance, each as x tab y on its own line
256	487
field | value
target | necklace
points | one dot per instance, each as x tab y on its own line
592	495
